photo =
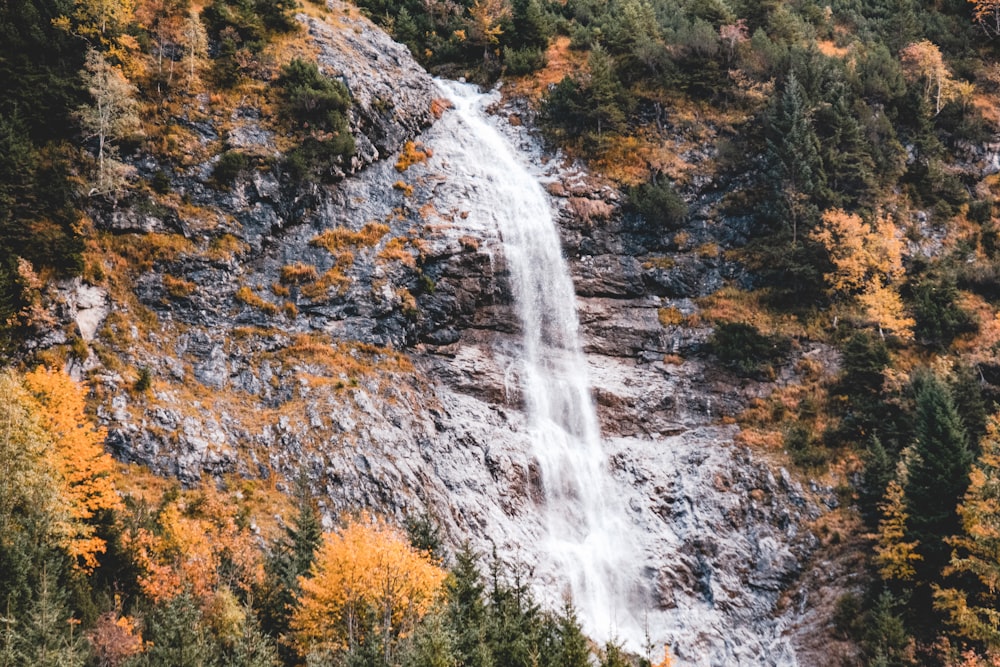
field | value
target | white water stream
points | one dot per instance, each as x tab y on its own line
587	538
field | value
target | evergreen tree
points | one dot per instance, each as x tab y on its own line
513	620
466	610
570	643
938	475
793	157
176	635
972	608
48	634
251	648
290	558
614	656
605	95
966	390
432	644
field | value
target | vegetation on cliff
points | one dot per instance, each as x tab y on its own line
848	148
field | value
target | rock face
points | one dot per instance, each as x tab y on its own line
272	337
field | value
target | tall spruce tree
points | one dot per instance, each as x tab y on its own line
794	165
938	476
466	613
972	605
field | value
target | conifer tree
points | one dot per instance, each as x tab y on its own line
570	642
793	154
972	610
604	92
466	610
938	475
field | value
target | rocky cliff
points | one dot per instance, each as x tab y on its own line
362	334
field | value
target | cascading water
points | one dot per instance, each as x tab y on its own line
587	538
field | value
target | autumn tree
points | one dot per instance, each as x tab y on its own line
112	115
199	544
973	610
923	63
894	553
84	470
367	585
986	14
486	19
867	261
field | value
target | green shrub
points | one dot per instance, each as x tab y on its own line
741	348
658	203
230	165
523	61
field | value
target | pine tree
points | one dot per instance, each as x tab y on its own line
967	393
793	155
604	92
513	618
291	557
48	634
432	644
466	610
571	643
938	476
176	635
972	610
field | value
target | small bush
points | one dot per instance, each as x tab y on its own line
659	204
230	165
524	61
160	183
741	348
803	448
144	381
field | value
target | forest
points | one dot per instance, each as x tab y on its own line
844	138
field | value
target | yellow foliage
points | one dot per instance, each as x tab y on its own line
412	153
365	576
338	238
84	469
894	556
867	259
669	317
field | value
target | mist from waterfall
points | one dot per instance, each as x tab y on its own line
587	539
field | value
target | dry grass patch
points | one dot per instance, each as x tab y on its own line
226	248
396	250
336	239
252	299
298	273
178	287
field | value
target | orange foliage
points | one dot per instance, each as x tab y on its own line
84	469
199	543
867	260
115	639
365	576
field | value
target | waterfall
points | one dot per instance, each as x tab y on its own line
587	540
